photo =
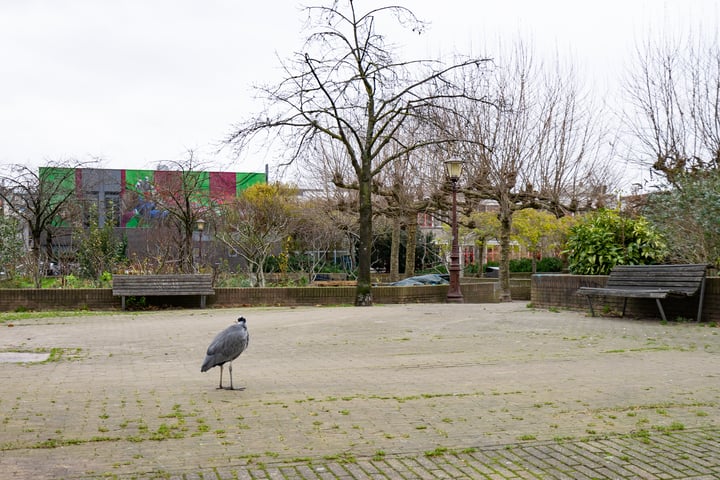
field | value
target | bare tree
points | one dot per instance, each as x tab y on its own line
674	89
317	233
182	195
41	200
536	149
408	186
347	88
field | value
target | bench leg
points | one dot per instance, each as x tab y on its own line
700	301
662	312
592	312
202	301
123	302
624	306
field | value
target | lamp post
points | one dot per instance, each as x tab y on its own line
200	226
453	169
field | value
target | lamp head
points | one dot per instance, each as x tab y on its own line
453	168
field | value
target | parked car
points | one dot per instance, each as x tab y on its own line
492	272
429	279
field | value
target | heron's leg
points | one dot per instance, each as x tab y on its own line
230	368
221	370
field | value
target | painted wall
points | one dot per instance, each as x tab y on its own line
136	191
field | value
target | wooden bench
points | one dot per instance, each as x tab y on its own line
652	281
162	285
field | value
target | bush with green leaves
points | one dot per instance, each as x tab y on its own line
519	265
546	264
606	238
550	264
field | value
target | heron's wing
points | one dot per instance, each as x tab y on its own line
229	343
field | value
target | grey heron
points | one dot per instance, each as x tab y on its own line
226	347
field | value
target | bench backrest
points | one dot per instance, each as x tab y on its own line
178	284
685	278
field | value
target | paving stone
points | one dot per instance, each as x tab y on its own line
493	391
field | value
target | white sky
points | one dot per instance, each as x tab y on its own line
136	82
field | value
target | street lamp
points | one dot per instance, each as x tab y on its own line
453	169
200	226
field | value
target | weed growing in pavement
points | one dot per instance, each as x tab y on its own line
301	460
642	435
345	457
437	452
673	427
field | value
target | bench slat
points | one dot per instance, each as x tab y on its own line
631	293
163	285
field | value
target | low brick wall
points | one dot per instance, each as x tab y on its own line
57	299
557	290
476	291
224	297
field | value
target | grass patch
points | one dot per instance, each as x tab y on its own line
30	315
379	455
345	457
438	452
673	427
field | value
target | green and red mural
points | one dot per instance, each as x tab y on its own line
139	193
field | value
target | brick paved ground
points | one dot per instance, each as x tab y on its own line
400	391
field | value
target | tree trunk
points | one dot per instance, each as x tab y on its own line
363	292
395	251
481	257
410	245
261	276
35	270
505	226
187	259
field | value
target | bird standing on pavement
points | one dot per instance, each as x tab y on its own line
226	347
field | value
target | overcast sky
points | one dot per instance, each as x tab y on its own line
136	82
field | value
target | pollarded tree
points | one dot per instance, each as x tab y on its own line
537	148
408	187
481	227
347	88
